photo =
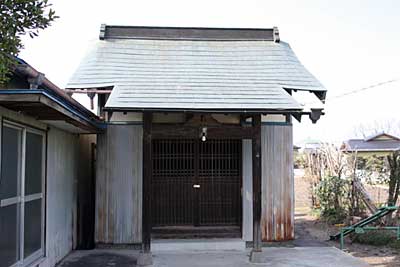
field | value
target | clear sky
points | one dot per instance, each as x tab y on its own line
347	45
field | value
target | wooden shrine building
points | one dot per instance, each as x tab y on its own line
198	139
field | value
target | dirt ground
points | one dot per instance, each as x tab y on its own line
309	229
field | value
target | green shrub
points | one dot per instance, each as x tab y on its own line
377	238
331	194
334	216
395	244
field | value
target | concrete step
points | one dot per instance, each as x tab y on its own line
216	244
196	232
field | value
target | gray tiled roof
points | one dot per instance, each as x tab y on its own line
376	145
195	74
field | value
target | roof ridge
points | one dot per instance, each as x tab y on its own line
188	33
372	137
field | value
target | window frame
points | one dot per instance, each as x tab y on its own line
21	199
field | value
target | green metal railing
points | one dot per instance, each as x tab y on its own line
361	226
361	230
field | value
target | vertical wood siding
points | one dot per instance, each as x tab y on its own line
62	166
119	185
277	219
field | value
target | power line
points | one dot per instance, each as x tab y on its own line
364	89
358	90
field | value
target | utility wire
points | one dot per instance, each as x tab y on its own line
357	90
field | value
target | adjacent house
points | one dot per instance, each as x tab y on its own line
381	144
371	153
198	138
46	157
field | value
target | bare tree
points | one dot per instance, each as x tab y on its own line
327	160
378	126
394	180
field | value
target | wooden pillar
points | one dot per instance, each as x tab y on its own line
147	176
256	149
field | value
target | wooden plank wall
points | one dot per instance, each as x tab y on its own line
62	170
277	219
119	185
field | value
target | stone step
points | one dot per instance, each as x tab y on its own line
198	244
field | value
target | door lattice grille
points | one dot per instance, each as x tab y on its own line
179	166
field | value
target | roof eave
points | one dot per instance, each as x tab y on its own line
371	150
16	99
297	113
206	110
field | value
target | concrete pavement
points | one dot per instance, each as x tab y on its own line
271	256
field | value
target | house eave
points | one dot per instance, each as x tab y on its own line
46	106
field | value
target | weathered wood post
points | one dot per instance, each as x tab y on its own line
256	150
145	257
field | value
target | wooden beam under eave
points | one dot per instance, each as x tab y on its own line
10	98
147	176
160	131
46	117
42	108
80	122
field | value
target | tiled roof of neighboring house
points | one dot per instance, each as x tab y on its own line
373	144
380	136
194	69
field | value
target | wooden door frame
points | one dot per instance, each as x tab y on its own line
243	131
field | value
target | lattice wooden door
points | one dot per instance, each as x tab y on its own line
196	183
219	197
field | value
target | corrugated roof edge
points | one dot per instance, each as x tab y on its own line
188	33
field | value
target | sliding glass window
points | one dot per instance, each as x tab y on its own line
21	195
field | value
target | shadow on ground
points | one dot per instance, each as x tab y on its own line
96	259
270	257
307	234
